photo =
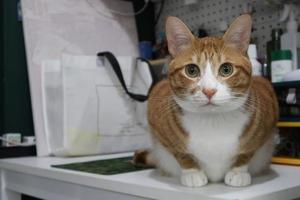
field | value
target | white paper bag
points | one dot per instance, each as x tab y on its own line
87	111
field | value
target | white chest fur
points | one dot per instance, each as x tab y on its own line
214	139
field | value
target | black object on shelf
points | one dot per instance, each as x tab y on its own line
13	152
272	45
286	84
288	111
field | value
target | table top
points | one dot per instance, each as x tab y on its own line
282	182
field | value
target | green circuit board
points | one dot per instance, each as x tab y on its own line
104	167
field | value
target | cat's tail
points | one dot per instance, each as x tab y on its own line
143	157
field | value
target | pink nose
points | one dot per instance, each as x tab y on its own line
209	92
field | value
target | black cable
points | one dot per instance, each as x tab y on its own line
159	12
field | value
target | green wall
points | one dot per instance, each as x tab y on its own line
1	68
16	115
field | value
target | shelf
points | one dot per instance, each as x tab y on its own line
287	84
288	124
10	152
286	161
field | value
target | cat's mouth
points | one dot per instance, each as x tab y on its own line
210	104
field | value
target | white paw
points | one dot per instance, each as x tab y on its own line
193	178
238	179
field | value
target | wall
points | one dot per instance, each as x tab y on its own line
1	68
209	13
15	103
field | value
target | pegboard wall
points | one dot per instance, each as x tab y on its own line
208	14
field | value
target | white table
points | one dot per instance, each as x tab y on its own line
35	176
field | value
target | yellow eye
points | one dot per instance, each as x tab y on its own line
225	69
192	70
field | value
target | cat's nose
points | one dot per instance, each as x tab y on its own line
209	92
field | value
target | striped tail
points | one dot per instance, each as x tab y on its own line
143	157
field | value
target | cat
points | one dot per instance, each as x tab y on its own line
211	120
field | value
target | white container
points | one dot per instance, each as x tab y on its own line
256	66
291	40
11	139
281	65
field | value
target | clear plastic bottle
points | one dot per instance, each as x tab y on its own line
291	40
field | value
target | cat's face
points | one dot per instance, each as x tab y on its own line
209	74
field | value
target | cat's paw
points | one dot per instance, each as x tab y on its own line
193	178
238	178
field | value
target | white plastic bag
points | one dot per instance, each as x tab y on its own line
87	111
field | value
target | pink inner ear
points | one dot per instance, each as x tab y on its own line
178	35
178	42
181	42
239	32
239	39
242	35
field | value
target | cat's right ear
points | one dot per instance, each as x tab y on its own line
238	34
179	37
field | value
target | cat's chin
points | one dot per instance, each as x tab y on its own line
209	107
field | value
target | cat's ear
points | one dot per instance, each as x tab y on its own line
238	34
179	37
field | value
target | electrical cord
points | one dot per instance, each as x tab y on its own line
118	12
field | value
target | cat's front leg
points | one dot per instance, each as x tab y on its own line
238	176
191	174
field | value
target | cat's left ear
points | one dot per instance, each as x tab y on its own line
238	34
179	37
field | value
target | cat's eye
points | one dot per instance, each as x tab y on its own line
192	70
226	69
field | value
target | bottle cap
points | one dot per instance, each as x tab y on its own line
292	24
252	52
281	55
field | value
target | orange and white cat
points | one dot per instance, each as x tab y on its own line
211	120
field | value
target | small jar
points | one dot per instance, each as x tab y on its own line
281	64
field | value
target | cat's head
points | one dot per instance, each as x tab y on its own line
209	74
